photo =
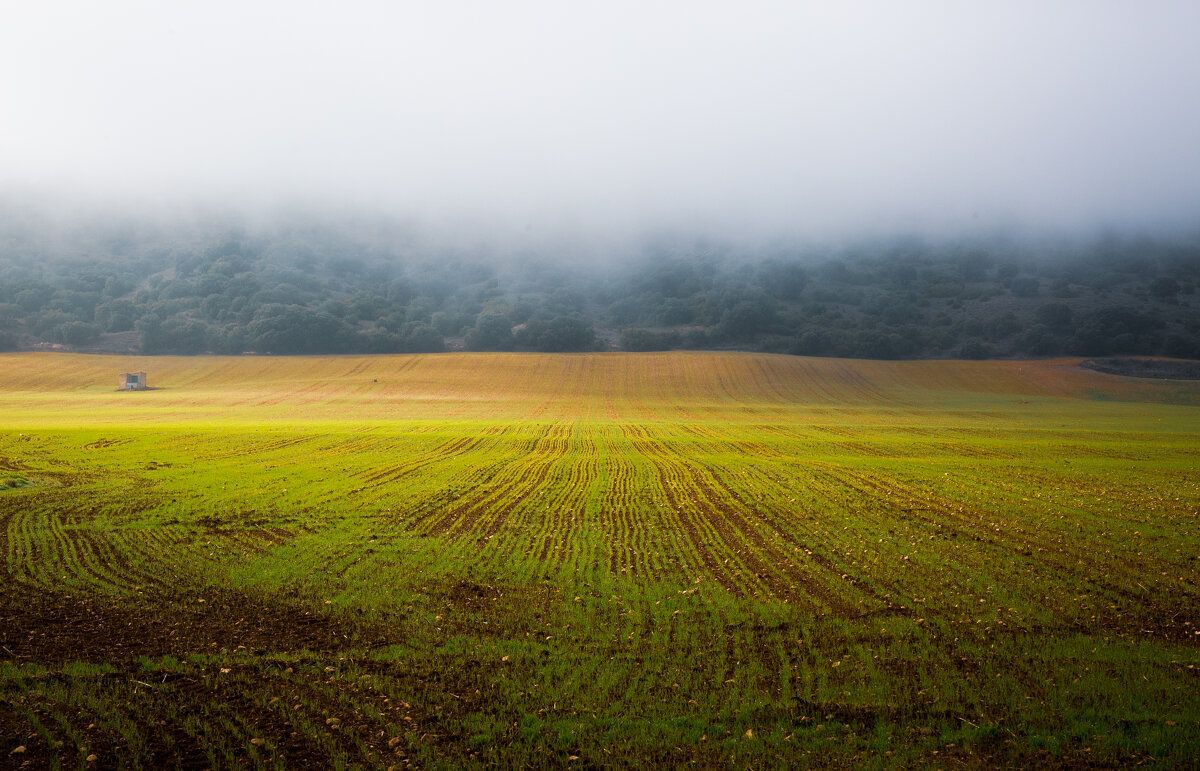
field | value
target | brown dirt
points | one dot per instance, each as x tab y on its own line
1159	369
47	627
44	626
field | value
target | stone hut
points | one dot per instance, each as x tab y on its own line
133	381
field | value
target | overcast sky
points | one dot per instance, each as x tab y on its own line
800	116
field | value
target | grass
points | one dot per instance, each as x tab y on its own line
724	559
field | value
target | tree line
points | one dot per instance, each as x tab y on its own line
330	289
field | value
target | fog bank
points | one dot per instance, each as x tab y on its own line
806	118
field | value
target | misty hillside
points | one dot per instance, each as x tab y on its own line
306	286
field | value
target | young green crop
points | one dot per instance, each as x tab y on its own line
514	559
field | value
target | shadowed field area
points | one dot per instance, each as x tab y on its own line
596	560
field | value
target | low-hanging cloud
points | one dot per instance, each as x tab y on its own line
809	117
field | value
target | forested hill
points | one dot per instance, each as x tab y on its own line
306	287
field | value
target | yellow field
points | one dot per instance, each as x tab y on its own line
60	389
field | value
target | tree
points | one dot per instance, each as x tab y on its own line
556	335
287	329
1025	286
785	281
424	339
78	333
1164	288
492	332
746	319
1114	330
1056	316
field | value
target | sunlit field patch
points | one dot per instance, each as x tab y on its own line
601	559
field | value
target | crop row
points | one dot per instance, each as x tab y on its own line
766	566
622	503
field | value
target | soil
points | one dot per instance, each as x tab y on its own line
1161	369
45	627
41	626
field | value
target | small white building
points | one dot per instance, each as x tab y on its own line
133	381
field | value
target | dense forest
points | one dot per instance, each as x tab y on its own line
306	285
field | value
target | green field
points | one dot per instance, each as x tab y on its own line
596	560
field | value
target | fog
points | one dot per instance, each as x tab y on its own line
809	119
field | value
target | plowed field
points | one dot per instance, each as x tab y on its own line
595	560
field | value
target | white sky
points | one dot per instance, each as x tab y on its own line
793	115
